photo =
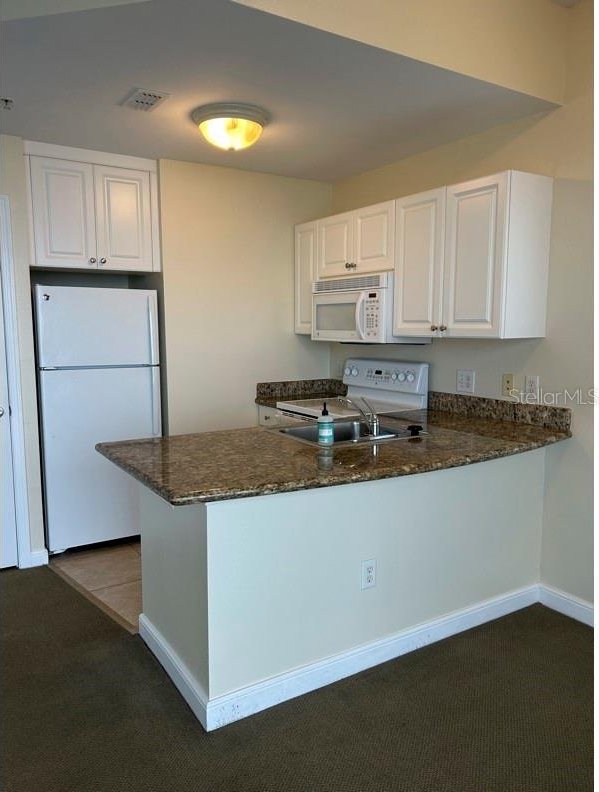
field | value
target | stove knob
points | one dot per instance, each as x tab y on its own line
401	376
411	376
354	372
347	371
394	375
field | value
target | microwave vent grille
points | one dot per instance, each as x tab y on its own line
346	284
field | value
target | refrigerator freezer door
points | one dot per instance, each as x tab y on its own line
77	327
87	498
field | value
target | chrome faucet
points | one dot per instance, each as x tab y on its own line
371	419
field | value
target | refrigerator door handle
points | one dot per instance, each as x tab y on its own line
155	396
152	325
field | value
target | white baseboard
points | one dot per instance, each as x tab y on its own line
566	603
231	707
254	698
33	559
184	681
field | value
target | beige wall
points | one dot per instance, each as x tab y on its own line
558	145
430	562
227	253
13	184
518	44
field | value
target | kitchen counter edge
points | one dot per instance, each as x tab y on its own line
120	453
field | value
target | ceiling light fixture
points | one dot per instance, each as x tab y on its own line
230	125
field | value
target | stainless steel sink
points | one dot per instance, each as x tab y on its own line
344	432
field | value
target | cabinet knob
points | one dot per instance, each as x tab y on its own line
442	328
102	261
434	328
93	260
347	265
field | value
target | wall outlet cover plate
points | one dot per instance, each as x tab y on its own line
507	385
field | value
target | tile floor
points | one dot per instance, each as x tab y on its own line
110	577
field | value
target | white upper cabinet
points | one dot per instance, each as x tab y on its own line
305	273
97	214
356	242
472	259
124	220
420	239
335	245
64	224
475	257
374	237
497	241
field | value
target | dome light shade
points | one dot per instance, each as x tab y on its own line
230	126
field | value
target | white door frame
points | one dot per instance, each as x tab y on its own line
26	557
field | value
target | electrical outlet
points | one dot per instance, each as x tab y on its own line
531	388
368	574
507	385
465	381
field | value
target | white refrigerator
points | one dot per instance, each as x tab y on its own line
99	380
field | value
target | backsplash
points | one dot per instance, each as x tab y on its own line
558	418
300	389
550	417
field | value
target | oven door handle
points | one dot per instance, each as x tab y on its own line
359	304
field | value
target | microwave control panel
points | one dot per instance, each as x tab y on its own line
372	313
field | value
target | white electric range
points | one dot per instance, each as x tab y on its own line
390	386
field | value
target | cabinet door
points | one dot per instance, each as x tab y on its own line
420	242
305	273
374	238
475	257
124	224
62	195
336	246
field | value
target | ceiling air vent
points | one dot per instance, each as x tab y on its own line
142	99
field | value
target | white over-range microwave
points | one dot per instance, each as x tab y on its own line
358	310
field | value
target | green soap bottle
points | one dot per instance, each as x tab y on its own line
325	427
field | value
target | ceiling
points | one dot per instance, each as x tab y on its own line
338	107
20	9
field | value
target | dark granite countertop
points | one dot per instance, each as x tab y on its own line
240	463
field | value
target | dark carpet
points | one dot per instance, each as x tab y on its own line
506	707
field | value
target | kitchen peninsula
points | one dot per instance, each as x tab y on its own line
253	549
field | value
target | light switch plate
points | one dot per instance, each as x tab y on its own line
531	388
465	381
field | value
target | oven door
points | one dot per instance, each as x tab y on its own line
338	316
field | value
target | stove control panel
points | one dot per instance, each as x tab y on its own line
390	375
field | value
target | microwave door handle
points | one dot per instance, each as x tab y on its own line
359	304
